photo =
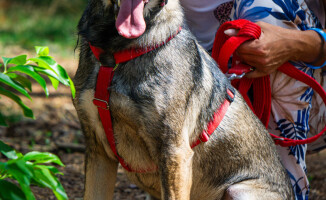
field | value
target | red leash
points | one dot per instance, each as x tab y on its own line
223	49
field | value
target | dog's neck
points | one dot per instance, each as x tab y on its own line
162	25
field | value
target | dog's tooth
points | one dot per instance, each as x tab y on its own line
124	35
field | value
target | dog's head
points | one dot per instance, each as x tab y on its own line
117	24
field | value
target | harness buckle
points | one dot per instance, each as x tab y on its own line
204	137
234	76
101	103
230	94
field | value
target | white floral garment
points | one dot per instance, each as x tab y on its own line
292	101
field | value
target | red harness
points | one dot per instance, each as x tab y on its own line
102	99
224	47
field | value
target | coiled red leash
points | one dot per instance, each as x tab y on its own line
223	49
225	46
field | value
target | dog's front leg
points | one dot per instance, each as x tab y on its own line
176	171
101	173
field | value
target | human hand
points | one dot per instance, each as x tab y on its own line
273	48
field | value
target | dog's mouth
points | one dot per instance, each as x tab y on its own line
130	21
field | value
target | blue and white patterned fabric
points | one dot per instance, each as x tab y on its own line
292	101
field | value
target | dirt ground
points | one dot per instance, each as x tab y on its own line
56	129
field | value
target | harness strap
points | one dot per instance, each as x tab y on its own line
102	94
129	54
216	119
225	46
102	98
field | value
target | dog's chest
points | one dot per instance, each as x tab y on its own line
130	132
128	127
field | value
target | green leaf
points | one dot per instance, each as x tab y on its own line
29	70
55	82
42	50
9	191
23	174
54	170
72	88
8	151
60	192
25	82
50	74
18	60
6	61
40	157
2	120
2	169
48	63
62	72
20	165
26	110
8	81
44	177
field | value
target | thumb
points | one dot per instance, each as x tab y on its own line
231	32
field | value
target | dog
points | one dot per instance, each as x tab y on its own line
160	102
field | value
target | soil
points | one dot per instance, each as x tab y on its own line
56	129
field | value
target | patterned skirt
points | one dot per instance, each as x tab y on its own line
296	112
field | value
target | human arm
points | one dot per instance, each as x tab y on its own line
278	45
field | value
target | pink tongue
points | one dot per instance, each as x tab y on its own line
130	22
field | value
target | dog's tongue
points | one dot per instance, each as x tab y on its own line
130	22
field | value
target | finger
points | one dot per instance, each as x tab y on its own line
258	70
255	74
231	32
253	60
251	47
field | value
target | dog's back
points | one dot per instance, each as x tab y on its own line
160	103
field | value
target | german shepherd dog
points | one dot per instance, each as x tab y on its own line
160	102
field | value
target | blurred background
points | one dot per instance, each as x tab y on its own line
53	23
25	23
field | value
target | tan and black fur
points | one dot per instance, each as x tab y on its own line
160	103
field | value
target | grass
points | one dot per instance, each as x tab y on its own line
48	22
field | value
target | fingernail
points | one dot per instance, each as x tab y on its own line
231	32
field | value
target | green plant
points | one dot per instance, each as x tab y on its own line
29	168
26	170
34	68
